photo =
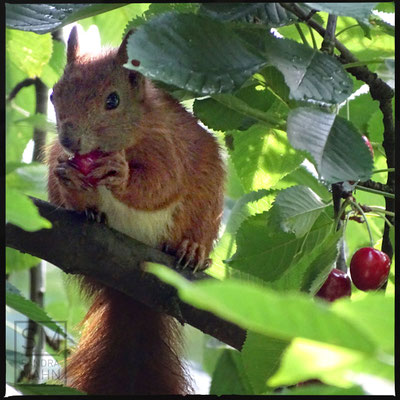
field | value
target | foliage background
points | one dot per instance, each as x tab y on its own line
273	193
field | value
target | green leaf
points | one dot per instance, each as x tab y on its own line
303	176
322	390
16	359
261	358
53	70
331	140
198	54
312	265
21	211
114	24
38	121
309	74
229	375
19	303
262	310
265	251
28	51
16	261
319	263
262	250
306	359
270	14
222	112
374	307
29	179
262	156
249	204
43	18
359	11
298	207
46	390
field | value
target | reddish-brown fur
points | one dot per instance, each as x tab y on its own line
159	157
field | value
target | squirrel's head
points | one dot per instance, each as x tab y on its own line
97	101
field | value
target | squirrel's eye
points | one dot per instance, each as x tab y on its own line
112	101
51	97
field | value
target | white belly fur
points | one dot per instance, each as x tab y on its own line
150	227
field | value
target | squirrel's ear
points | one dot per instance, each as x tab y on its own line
122	54
73	45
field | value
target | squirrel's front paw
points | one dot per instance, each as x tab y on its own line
111	170
70	177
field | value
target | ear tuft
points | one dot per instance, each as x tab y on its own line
122	54
73	46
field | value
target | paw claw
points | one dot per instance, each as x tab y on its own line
192	254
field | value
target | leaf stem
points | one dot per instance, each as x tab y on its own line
303	38
366	189
355	204
378	171
315	46
345	29
242	107
365	62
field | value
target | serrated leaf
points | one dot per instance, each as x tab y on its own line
306	359
54	69
309	74
356	10
334	143
16	261
28	51
303	176
262	310
265	251
262	250
249	204
21	211
222	113
29	179
262	156
19	303
298	207
261	358
375	306
43	18
229	376
199	54
271	14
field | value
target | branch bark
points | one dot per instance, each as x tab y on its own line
78	246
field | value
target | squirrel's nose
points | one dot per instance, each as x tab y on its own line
67	137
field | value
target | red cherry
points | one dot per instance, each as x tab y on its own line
369	268
338	284
84	162
368	143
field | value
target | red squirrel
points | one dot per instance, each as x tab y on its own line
129	151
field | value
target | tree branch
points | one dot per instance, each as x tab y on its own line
78	246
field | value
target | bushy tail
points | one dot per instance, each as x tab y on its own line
126	348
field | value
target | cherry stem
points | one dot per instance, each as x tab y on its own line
383	216
381	210
378	171
365	189
355	204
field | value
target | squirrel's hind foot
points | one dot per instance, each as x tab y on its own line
189	254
